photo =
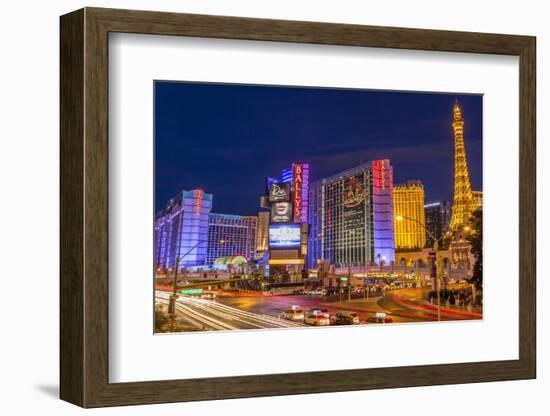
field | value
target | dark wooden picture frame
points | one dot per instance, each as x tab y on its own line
84	207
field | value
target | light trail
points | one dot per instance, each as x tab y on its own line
234	313
222	317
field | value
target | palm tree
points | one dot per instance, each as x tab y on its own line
475	239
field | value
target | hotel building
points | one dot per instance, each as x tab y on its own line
181	230
478	199
231	235
351	217
437	215
408	207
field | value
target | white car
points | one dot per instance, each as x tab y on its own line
317	317
293	314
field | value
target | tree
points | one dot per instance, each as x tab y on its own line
475	238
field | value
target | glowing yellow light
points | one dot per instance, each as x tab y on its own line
399	218
287	261
464	202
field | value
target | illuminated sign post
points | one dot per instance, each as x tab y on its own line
288	200
297	180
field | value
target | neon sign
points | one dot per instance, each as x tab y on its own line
297	180
383	173
199	200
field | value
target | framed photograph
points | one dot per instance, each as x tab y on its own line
256	207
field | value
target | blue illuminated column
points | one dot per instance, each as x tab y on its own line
196	209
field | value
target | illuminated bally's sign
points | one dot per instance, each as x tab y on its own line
380	174
297	181
383	173
198	202
284	236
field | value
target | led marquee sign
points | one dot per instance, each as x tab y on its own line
284	236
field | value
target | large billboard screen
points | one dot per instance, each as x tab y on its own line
354	202
284	236
279	192
281	212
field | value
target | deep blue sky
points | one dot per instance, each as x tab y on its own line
226	139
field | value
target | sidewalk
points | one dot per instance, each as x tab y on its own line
431	308
420	298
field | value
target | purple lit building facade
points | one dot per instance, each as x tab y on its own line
181	230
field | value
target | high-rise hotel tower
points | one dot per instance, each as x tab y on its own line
181	230
351	217
408	208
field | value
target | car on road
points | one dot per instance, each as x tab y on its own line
379	318
345	318
293	314
317	317
208	295
317	292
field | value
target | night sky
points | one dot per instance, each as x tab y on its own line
226	139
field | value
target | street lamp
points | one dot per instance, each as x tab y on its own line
173	298
435	248
178	259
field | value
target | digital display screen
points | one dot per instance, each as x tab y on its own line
279	192
284	236
281	212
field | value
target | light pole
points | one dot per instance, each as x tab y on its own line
435	248
173	298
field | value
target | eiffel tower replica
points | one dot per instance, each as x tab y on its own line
463	201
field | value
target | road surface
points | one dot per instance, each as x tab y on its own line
208	315
247	311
